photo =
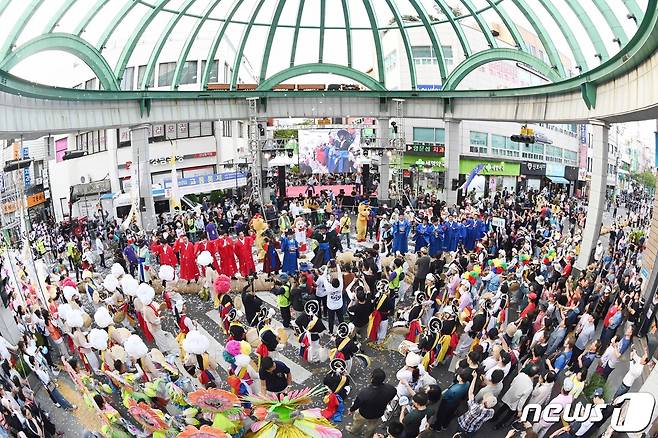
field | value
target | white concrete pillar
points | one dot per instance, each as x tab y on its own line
140	149
112	141
596	200
453	132
384	163
219	158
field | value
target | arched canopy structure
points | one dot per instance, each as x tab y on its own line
268	41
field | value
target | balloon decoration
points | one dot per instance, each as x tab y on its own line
498	265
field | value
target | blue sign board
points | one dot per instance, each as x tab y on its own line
429	87
582	134
206	179
27	181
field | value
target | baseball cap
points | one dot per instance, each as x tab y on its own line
598	392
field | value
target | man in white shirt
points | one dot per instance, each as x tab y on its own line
334	289
100	250
635	370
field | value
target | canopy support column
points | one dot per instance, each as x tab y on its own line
596	200
453	131
385	162
140	180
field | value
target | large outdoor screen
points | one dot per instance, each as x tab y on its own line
324	151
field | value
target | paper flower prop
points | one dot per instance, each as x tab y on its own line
69	292
222	284
110	283
478	269
204	432
102	317
145	293
129	285
68	281
195	342
167	273
135	347
215	400
289	403
524	259
117	270
471	276
63	310
150	419
549	257
204	258
74	318
98	339
498	265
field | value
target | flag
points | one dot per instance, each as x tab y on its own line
469	178
174	201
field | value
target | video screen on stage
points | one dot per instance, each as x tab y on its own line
323	151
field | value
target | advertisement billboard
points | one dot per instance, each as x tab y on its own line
323	151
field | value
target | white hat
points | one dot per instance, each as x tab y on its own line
567	385
540	279
412	359
195	342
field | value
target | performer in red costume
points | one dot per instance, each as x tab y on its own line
224	246
204	245
188	267
167	255
243	252
156	247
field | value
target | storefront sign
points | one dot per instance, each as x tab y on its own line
166	161
427	148
533	168
36	199
554	169
498	222
437	164
503	168
582	134
571	173
208	183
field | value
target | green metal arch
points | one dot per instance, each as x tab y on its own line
215	43
434	39
491	55
295	38
611	19
189	42
3	5
128	48
405	40
336	69
634	9
542	34
270	38
164	36
91	13
509	24
589	27
67	43
377	38
52	23
348	31
566	32
482	24
323	12
243	42
457	27
18	27
118	18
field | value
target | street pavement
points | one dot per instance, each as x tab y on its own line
304	374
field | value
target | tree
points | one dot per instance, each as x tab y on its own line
646	178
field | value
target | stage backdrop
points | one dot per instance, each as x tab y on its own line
329	150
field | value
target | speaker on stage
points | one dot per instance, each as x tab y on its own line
365	179
281	181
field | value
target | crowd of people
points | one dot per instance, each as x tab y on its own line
486	292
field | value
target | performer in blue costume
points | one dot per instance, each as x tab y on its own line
471	234
400	231
422	235
436	237
452	234
481	227
290	250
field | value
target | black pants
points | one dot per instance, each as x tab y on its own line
323	306
574	359
503	415
338	313
418	285
285	316
103	260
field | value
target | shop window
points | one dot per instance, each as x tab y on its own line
166	73
226	128
479	142
188	73
213	77
91	142
141	71
429	135
240	129
127	81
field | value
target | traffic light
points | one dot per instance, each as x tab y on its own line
527	136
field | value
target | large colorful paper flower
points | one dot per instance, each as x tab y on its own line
204	432
524	259
149	418
214	400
